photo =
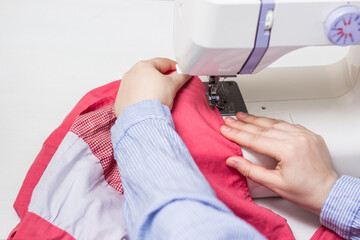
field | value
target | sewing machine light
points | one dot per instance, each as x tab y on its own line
343	26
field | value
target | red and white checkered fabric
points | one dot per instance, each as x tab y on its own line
94	128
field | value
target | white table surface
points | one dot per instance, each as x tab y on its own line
52	53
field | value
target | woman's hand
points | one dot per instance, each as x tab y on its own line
147	80
304	173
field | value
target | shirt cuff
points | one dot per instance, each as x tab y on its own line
341	210
146	109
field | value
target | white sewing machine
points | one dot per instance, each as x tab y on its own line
317	86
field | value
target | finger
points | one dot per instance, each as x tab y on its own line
258	143
179	79
256	129
258	174
163	65
266	122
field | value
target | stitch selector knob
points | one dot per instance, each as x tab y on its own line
342	26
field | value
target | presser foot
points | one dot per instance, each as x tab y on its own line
227	98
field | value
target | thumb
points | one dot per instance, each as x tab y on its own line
253	171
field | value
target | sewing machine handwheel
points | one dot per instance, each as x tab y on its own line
342	26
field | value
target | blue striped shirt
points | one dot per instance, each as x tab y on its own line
166	196
341	210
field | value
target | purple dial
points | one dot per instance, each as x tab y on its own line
343	26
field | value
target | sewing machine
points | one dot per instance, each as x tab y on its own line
293	60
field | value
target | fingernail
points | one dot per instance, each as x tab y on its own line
242	115
225	128
229	120
231	163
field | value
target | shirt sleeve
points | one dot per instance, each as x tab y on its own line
166	196
341	210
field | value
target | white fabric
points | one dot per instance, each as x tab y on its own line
73	195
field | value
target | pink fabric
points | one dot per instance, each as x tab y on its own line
34	227
199	127
324	233
197	124
27	228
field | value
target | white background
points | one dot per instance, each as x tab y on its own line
52	53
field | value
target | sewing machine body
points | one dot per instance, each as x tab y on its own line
318	87
224	38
